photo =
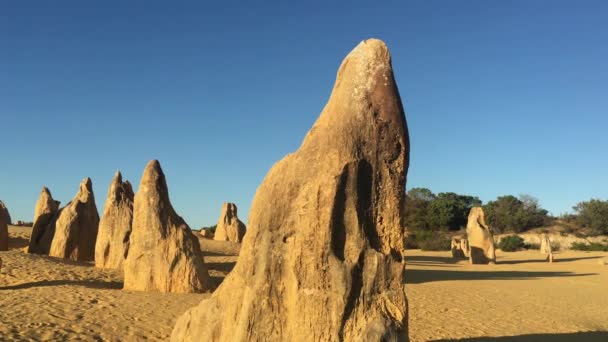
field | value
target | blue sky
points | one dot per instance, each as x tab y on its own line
501	97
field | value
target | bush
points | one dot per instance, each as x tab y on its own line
509	213
210	228
593	214
589	247
511	243
431	241
532	246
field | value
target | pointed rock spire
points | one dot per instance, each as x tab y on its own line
322	259
114	234
163	255
76	227
43	230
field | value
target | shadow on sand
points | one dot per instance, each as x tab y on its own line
591	336
541	259
224	267
16	242
95	284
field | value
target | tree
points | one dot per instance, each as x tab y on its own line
416	207
593	214
509	213
449	211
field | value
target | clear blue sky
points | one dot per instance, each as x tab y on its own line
501	97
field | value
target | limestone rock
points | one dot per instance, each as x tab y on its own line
206	233
545	247
163	255
43	229
456	247
76	227
115	226
481	242
322	258
464	246
229	227
5	220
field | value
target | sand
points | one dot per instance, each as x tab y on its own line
522	298
44	298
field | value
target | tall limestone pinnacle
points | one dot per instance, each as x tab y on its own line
322	258
45	216
76	227
163	255
115	226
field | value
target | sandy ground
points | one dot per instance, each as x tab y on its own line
522	296
48	299
521	299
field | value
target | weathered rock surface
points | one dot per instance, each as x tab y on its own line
115	226
481	242
456	247
229	227
464	246
43	229
163	255
5	220
206	233
545	247
76	227
322	258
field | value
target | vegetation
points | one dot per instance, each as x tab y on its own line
593	214
511	243
428	241
444	211
210	228
590	247
509	213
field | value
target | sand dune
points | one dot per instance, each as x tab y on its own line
522	298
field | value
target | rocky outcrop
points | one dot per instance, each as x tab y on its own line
206	233
545	247
115	226
76	226
481	242
322	258
43	229
456	247
229	227
163	255
5	220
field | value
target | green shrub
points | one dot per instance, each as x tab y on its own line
511	243
432	241
532	246
589	247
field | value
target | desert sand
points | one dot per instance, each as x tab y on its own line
522	298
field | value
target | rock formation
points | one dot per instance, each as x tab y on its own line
322	258
206	233
481	242
76	226
5	220
43	229
464	246
229	227
115	226
545	247
456	247
163	255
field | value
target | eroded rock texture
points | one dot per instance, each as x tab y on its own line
322	258
114	234
163	255
76	227
43	230
229	227
481	241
